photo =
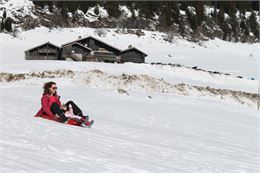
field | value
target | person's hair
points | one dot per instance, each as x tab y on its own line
46	87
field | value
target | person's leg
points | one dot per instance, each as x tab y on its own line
76	110
79	113
55	109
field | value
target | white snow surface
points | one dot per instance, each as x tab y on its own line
132	133
144	131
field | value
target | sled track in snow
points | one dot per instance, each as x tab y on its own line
102	80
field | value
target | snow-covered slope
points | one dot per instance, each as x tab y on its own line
235	58
132	133
149	129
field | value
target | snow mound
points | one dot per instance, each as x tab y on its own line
142	83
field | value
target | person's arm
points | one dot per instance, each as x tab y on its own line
62	106
47	107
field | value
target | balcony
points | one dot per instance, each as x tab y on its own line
47	50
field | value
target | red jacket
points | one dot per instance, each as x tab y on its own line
45	111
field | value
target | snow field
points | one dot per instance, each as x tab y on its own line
132	133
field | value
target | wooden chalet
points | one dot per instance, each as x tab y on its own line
101	51
45	51
132	54
86	49
75	51
96	45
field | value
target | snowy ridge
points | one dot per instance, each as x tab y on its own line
146	83
141	83
171	74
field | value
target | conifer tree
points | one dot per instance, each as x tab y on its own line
4	14
39	3
166	16
181	27
246	32
192	19
8	24
253	24
50	5
176	12
200	12
1	26
145	9
96	10
112	8
220	16
234	22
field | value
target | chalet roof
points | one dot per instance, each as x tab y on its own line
133	48
93	39
42	45
77	44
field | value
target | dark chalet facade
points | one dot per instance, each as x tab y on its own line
85	49
133	55
45	51
75	51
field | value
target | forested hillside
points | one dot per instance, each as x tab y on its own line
195	20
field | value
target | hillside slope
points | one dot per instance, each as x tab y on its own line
148	117
132	133
237	59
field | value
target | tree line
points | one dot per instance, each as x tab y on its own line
169	14
5	23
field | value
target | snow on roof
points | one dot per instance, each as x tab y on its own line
94	39
77	44
42	45
133	48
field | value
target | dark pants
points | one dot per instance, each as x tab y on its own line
55	109
76	109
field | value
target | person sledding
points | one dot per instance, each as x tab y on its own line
52	108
